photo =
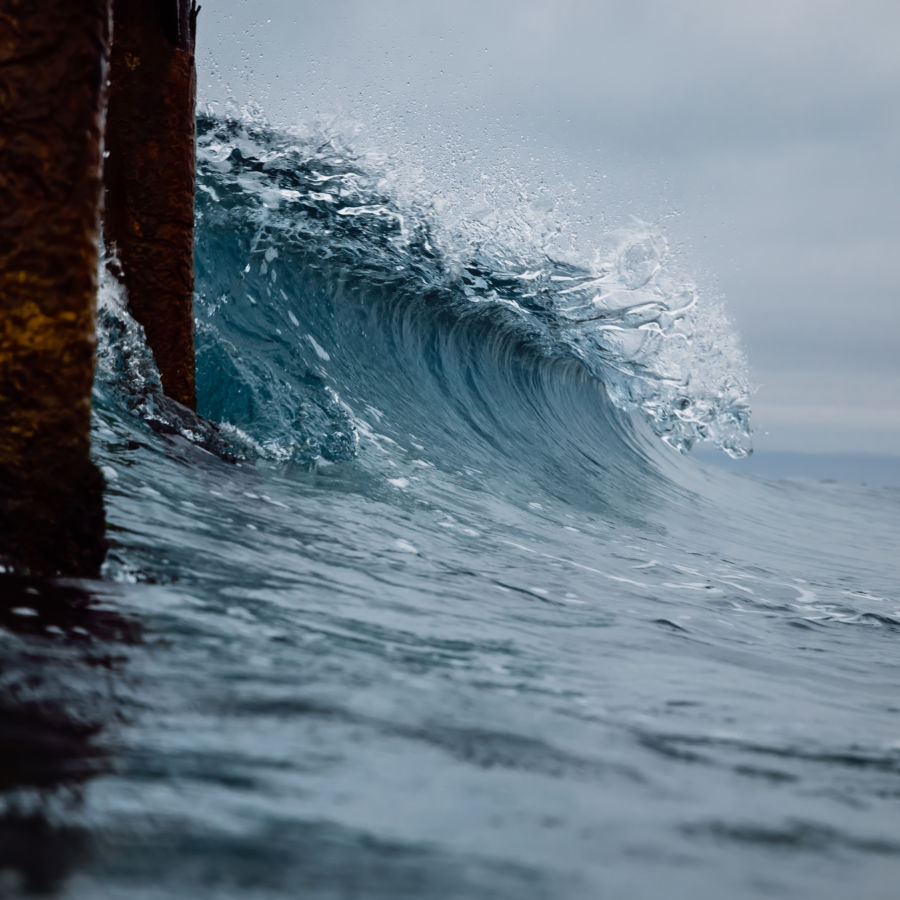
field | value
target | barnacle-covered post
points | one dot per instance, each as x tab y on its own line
149	216
53	70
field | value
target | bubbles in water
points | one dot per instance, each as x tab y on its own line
640	259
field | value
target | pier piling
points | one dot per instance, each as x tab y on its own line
53	71
149	177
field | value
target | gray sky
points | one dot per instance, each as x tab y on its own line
764	138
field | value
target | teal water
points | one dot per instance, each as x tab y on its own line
429	604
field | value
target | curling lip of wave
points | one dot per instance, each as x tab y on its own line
279	216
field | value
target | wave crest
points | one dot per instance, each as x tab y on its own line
290	227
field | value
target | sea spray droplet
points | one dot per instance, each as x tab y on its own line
640	259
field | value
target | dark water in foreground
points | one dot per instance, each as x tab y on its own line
454	621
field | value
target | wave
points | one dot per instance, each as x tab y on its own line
337	315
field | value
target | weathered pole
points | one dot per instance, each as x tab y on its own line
53	70
149	177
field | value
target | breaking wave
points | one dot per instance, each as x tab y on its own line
335	313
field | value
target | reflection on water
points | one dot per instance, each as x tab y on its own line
62	647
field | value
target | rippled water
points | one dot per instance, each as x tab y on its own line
425	606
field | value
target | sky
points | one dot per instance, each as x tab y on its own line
762	138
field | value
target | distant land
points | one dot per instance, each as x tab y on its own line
849	468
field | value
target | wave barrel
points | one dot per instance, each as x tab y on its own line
53	59
149	177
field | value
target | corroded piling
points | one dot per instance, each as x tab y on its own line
149	217
53	69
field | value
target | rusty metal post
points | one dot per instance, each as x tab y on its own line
53	70
149	177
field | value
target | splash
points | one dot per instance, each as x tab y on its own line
294	229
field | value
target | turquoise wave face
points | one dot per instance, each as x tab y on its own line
317	285
336	322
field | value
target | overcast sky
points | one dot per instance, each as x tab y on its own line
763	137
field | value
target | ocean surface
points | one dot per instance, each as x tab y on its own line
432	601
